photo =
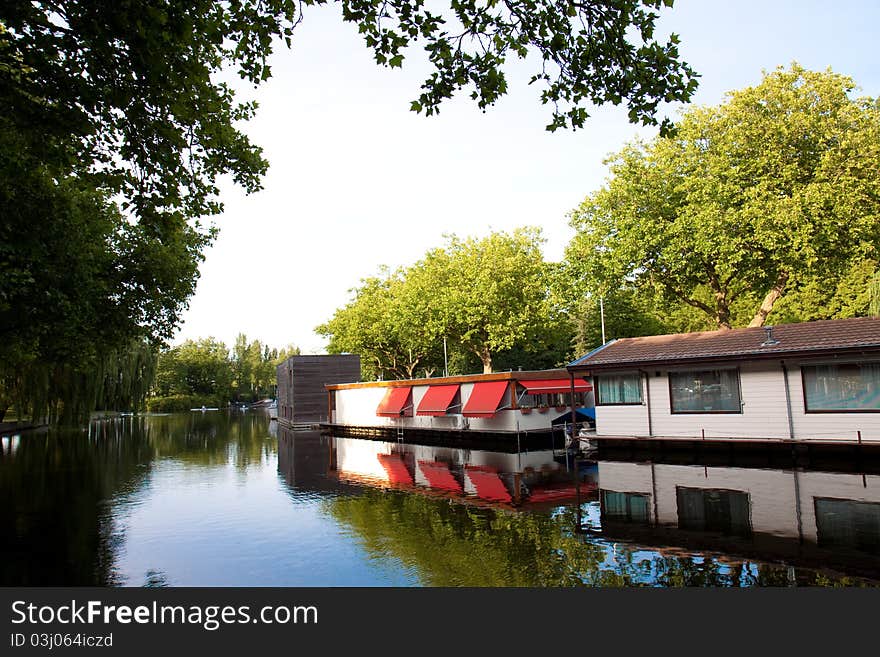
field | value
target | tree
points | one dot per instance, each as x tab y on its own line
593	52
627	314
388	324
776	186
485	296
489	294
116	130
195	368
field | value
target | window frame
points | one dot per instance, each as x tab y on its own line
597	389
739	411
820	411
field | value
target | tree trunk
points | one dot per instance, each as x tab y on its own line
771	298
722	311
486	358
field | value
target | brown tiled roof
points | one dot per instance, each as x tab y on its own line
817	338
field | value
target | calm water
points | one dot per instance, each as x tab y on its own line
218	499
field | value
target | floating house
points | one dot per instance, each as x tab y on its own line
302	397
503	403
813	382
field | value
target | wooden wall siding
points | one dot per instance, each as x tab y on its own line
764	412
302	396
762	393
827	426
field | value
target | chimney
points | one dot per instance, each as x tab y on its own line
769	341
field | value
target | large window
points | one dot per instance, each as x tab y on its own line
626	507
848	523
842	387
616	389
713	510
705	391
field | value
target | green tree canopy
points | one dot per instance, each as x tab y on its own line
486	296
116	127
776	187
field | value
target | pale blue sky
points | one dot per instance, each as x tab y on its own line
357	180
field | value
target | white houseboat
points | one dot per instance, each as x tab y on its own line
502	404
814	382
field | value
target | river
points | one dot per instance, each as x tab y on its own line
227	499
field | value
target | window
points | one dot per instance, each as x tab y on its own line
842	387
544	400
627	507
619	389
848	523
712	510
705	391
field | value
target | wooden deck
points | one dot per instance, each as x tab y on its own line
838	456
502	441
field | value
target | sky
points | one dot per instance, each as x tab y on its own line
357	180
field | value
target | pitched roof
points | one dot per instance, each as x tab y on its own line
808	338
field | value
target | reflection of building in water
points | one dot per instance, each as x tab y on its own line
815	515
304	460
466	473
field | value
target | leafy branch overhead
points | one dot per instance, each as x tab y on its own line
590	52
749	201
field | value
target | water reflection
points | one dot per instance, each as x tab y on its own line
817	519
231	499
645	524
473	475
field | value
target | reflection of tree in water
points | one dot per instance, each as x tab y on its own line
449	544
213	438
60	489
54	520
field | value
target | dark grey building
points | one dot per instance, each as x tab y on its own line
301	379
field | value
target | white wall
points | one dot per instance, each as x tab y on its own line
357	407
775	498
764	411
827	426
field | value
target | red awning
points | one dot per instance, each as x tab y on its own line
439	477
395	402
437	400
540	386
395	468
487	483
485	398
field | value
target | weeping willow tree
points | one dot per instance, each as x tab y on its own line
66	393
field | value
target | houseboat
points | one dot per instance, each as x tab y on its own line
816	383
528	405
